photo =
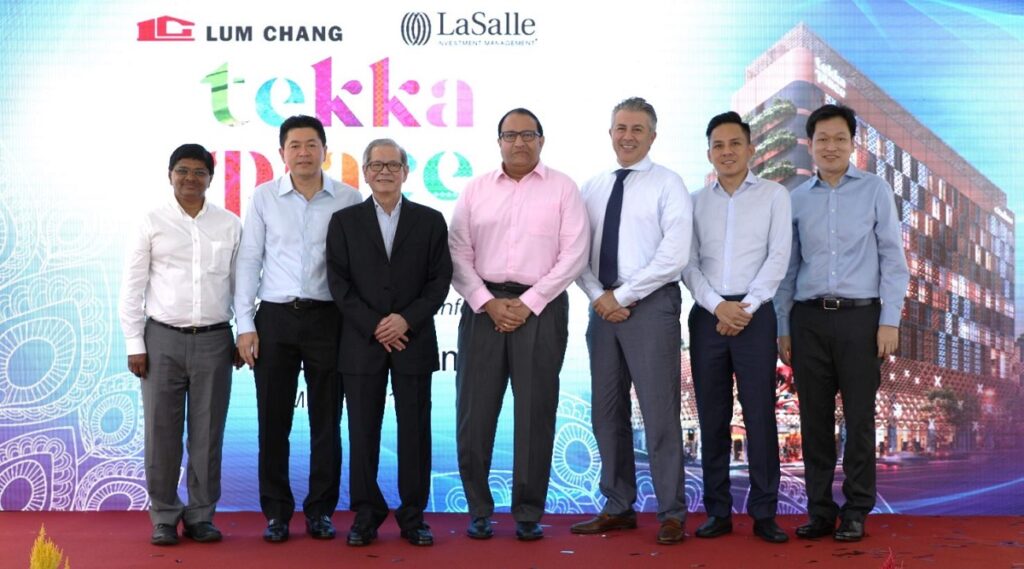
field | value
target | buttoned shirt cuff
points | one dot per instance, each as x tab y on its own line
711	301
754	303
592	293
244	325
478	298
890	315
783	325
135	346
533	301
625	295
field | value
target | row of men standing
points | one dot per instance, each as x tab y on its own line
352	287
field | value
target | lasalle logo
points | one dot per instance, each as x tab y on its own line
416	28
476	29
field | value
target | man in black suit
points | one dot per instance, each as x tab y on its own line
389	269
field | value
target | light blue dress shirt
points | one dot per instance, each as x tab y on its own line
741	243
847	243
283	249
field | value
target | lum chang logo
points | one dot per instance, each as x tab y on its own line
169	28
416	28
166	28
476	29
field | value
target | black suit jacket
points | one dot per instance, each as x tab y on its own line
367	286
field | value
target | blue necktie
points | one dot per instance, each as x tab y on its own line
608	271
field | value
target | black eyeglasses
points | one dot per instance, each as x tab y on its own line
393	166
198	173
512	135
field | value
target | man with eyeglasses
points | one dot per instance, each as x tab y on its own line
281	261
389	270
518	239
641	223
175	309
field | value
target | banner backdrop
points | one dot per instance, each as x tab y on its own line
95	95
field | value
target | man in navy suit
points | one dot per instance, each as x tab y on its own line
389	269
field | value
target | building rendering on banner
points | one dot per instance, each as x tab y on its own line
952	385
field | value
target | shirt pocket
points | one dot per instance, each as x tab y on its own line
219	261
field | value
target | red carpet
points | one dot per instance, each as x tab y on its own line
114	540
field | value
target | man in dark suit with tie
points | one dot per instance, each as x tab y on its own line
389	269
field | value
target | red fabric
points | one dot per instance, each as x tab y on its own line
114	540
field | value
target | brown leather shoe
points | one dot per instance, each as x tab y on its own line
671	532
605	522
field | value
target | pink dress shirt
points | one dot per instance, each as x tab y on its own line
533	232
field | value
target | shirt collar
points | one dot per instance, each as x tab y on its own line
750	180
380	209
286	186
642	166
851	172
173	203
540	170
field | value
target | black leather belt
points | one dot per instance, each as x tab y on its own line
667	285
194	329
303	303
833	303
509	287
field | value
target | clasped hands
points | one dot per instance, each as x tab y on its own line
608	308
391	332
732	318
508	314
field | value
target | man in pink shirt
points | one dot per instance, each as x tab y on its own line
518	238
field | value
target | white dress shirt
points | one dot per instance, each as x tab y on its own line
388	223
741	243
179	270
284	245
654	231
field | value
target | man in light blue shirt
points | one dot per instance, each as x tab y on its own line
742	233
281	261
839	313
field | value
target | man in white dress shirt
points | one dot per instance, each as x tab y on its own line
175	309
742	234
641	225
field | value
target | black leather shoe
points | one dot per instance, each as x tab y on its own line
419	535
818	527
276	532
203	532
528	531
850	530
480	528
360	535
164	534
320	527
770	531
715	527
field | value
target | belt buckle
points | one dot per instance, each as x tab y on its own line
297	303
830	303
